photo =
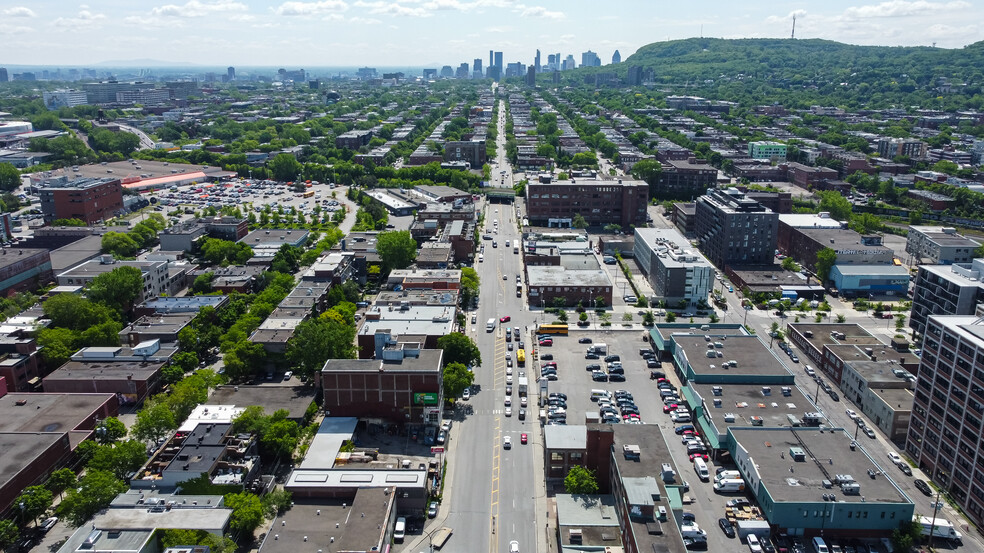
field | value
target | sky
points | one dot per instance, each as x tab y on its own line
424	33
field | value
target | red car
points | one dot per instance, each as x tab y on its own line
670	407
550	364
522	438
505	319
698	455
547	342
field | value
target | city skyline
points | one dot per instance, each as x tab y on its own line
321	33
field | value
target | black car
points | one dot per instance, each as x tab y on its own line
618	370
547	357
630	411
616	377
654	364
688	517
727	527
682	428
584	340
591	356
522	414
558	395
599	376
834	396
923	487
592	367
610	358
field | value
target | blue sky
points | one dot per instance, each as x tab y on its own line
310	33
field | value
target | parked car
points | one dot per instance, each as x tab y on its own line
923	487
584	340
727	527
432	509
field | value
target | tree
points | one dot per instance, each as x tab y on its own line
280	438
119	244
906	535
117	289
837	205
247	511
110	430
579	222
73	222
286	260
469	285
61	480
75	312
285	167
215	544
250	420
318	340
9	177
184	362
57	345
32	503
790	265
120	459
8	533
154	422
580	480
459	348
277	502
826	258
457	378
202	284
396	249
95	492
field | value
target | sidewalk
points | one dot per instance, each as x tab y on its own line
421	542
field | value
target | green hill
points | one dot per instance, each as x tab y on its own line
807	60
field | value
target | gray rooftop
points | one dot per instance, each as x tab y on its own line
864	270
745	401
429	361
828	453
317	521
565	437
560	276
328	442
47	412
752	354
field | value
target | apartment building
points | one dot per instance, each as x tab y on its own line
674	270
88	199
939	245
735	230
945	430
946	290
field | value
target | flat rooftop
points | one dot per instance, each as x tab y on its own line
594	515
810	220
77	252
47	412
21	450
561	276
879	373
901	398
429	361
745	401
937	235
208	519
105	370
819	334
752	355
328	442
640	476
318	521
828	453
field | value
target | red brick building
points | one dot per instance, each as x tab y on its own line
600	202
89	199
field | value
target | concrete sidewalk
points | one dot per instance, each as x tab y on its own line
421	542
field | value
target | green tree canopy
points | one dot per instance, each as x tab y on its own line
32	502
579	222
154	422
397	249
61	480
315	341
119	459
117	289
459	348
457	377
837	205
95	492
247	512
119	244
110	430
75	312
580	480
826	258
9	177
8	533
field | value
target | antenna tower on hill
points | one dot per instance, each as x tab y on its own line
793	34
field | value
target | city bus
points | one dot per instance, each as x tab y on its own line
553	329
521	357
309	194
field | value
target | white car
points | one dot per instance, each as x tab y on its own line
852	414
506	442
508	401
509	411
514	546
466	394
753	544
895	457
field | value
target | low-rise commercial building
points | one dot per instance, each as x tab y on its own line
803	245
185	236
89	199
808	177
869	280
156	275
211	448
767	150
404	386
132	374
577	279
24	269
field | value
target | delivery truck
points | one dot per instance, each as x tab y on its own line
939	527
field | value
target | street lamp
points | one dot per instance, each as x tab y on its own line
932	528
857	428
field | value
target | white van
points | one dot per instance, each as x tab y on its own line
729	485
400	531
700	467
598	394
727	475
481	257
490	325
820	546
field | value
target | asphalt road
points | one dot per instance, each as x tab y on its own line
492	483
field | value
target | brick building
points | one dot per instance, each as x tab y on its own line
89	199
600	202
23	269
805	176
683	179
470	151
733	229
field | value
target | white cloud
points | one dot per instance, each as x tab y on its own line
333	17
19	11
903	8
540	11
311	8
83	19
197	8
365	20
772	19
386	8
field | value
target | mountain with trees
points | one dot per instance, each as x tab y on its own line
826	72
